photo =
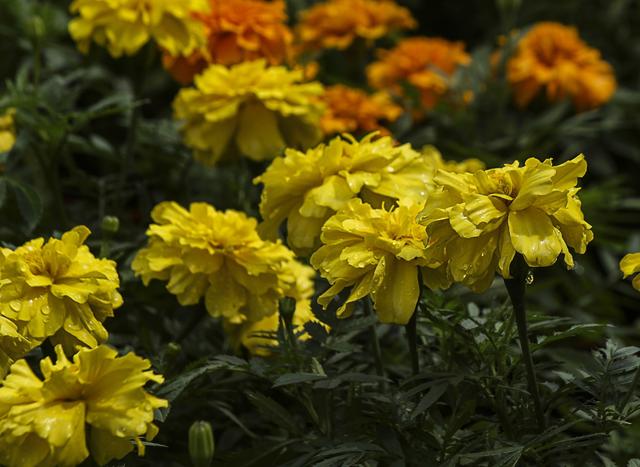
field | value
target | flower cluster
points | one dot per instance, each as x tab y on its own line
477	222
124	26
7	130
350	110
337	23
552	58
629	265
45	421
425	63
376	252
305	189
202	252
58	289
236	31
250	108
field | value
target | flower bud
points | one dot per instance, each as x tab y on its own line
201	444
287	308
37	27
110	224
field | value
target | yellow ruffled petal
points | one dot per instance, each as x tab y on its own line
396	298
534	236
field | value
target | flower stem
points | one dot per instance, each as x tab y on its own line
516	289
412	339
375	342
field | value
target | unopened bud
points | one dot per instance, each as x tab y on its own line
287	308
37	27
201	444
110	224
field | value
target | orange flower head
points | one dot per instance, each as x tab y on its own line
237	31
337	23
350	110
424	62
553	58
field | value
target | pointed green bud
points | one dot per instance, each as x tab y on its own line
201	444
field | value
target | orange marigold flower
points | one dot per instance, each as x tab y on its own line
552	57
337	23
237	31
350	110
424	62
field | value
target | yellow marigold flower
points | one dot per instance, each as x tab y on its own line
630	264
7	130
478	222
467	165
553	58
237	31
375	252
45	422
58	289
124	26
249	334
216	255
337	23
305	189
350	110
253	336
13	345
251	107
426	63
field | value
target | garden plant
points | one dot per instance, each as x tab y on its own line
320	233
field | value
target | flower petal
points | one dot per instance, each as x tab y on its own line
534	236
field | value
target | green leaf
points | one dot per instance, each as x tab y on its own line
171	390
28	201
295	378
430	398
273	411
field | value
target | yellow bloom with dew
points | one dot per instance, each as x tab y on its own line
202	252
338	23
45	421
13	345
58	289
124	26
629	265
7	130
376	252
250	108
305	189
478	222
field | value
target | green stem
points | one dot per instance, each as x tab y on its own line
516	289
412	339
375	342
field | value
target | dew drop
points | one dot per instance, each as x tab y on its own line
529	279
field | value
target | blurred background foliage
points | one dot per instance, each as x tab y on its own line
96	138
